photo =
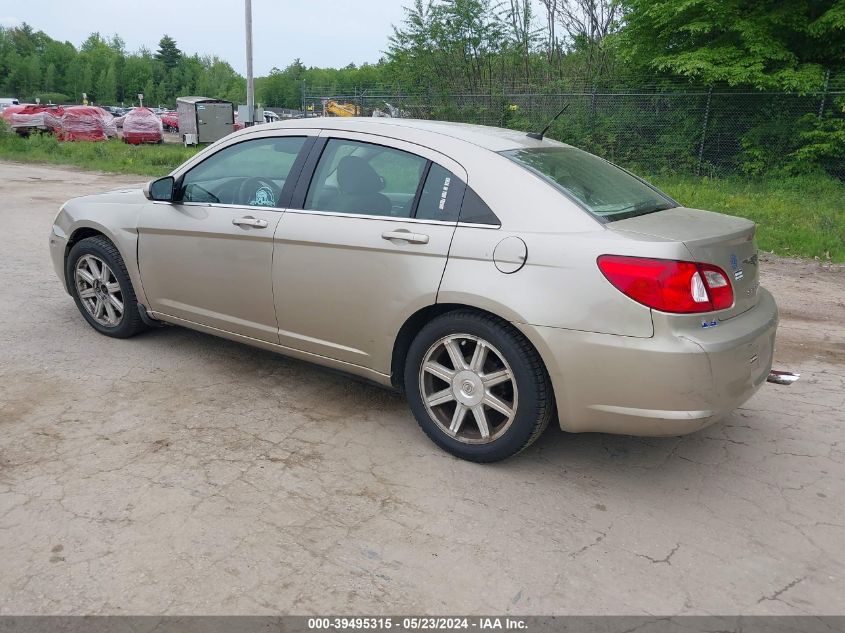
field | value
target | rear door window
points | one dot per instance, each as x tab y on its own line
364	178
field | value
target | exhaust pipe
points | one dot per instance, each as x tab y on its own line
782	377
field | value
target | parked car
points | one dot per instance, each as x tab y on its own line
115	111
83	123
109	124
141	125
170	121
28	118
499	280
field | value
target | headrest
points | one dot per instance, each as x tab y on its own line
355	175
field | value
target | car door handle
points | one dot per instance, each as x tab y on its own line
250	221
405	235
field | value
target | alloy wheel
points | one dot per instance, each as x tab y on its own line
468	388
99	290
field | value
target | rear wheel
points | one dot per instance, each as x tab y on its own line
100	285
477	387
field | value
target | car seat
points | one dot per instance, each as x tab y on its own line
359	188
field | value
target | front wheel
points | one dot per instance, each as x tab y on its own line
477	387
100	285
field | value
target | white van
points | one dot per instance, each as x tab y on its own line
5	102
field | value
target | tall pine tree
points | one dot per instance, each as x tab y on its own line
168	53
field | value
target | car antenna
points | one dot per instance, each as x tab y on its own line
540	136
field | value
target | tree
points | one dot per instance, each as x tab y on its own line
106	88
775	44
168	53
587	25
87	82
149	93
450	43
552	50
31	76
117	44
73	80
520	19
50	78
136	73
282	88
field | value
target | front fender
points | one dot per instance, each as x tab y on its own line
117	220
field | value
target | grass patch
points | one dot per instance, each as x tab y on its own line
797	216
111	156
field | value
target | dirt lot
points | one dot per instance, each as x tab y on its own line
179	473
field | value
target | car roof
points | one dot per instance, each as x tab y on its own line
492	138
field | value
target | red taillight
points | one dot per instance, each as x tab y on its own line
668	285
718	286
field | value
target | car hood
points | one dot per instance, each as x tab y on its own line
118	196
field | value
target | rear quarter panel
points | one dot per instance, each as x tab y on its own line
560	284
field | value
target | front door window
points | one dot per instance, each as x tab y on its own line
252	173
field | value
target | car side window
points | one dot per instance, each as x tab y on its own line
440	198
363	178
252	173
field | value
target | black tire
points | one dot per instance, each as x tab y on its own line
130	323
535	405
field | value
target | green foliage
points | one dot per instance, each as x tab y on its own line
168	53
460	42
768	44
52	97
806	145
820	143
282	88
501	62
33	64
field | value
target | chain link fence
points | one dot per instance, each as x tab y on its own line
704	131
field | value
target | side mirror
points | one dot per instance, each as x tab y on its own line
161	190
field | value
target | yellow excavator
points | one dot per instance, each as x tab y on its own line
336	108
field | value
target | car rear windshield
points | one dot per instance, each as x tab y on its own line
604	190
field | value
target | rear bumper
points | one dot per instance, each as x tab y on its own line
676	382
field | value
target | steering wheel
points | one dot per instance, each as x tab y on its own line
259	192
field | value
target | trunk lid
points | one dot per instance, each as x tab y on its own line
712	238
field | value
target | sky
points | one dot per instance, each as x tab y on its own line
325	33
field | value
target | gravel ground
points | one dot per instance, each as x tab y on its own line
176	473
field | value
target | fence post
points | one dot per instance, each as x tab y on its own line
824	93
704	131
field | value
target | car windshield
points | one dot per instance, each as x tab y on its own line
604	190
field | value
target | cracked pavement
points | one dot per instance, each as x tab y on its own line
176	473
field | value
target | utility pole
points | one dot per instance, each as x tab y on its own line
250	83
